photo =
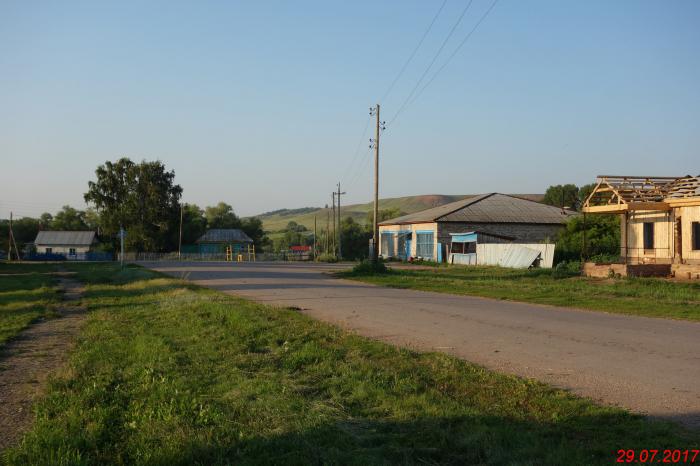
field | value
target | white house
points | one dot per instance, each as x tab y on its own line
69	243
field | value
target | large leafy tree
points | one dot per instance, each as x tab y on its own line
194	223
355	238
566	195
68	219
253	227
143	198
602	238
222	216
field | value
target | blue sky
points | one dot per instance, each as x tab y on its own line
262	104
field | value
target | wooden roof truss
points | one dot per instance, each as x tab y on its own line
621	193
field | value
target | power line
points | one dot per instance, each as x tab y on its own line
413	54
432	62
357	149
464	41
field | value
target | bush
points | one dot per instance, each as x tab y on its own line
327	258
567	269
367	267
605	258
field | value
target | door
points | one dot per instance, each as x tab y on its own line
408	248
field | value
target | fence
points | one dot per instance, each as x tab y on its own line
213	257
81	256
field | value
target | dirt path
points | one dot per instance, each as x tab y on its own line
27	360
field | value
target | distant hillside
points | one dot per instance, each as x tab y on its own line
277	220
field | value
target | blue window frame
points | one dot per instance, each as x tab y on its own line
387	249
425	244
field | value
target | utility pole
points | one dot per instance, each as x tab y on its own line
179	244
333	247
122	233
328	221
315	238
10	242
375	143
340	249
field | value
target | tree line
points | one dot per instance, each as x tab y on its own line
144	199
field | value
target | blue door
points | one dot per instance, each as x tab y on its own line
408	248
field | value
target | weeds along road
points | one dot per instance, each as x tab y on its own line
647	365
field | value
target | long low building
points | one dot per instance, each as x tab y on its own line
67	243
432	234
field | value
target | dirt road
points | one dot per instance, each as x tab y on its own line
647	365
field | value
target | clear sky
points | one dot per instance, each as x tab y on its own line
262	104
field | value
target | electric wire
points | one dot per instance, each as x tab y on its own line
413	54
432	62
461	44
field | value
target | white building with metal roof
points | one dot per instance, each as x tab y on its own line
68	243
434	234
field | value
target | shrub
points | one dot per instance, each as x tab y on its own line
327	258
567	269
367	267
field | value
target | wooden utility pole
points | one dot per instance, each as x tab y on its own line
328	221
340	249
179	244
315	238
11	241
333	247
375	229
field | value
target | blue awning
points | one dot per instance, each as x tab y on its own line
467	237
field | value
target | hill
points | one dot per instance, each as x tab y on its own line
277	220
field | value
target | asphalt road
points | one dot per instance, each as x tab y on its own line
648	365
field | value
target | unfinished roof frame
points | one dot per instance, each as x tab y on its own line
617	194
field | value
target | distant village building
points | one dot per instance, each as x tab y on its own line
219	240
659	224
490	229
71	244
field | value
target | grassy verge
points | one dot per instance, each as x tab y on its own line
27	293
169	373
651	297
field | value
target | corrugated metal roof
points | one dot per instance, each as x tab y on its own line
65	238
488	208
221	235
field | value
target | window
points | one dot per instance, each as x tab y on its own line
71	251
49	250
648	235
387	244
424	245
695	226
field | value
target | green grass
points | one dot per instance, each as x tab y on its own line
25	298
651	297
277	221
169	373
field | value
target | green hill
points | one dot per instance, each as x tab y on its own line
277	220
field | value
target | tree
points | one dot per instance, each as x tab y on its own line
382	215
142	198
194	223
253	227
566	196
222	216
45	220
69	219
354	239
602	237
24	229
585	191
